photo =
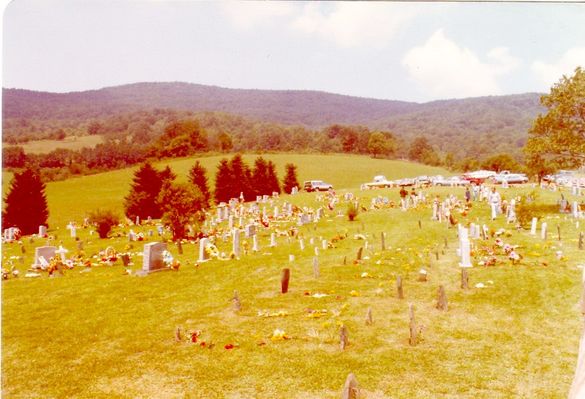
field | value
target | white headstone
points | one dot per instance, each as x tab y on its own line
543	231
533	226
230	222
236	242
42	231
255	247
575	209
202	253
46	252
302	244
324	244
465	254
61	251
273	239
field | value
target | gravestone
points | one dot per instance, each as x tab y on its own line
412	327
351	388
575	209
343	337
273	239
73	231
324	244
42	231
543	231
464	279
465	254
250	230
302	244
236	302
202	253
284	280
231	222
399	287
369	320
255	247
533	226
125	259
581	240
152	258
61	252
359	254
47	252
442	299
236	242
383	241
316	267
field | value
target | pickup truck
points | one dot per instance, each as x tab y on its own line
380	181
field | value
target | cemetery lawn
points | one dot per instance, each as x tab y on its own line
103	333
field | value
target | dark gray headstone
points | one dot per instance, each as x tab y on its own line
152	259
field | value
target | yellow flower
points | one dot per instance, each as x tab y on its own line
354	293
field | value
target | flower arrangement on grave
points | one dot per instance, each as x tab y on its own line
55	264
169	261
211	251
279	335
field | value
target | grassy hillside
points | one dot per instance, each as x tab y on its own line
72	199
70	143
102	333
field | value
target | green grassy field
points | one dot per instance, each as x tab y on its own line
69	143
107	334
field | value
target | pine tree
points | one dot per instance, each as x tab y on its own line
272	179
26	203
142	201
197	176
290	180
223	181
240	176
260	177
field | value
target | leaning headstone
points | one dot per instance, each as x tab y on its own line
284	280
152	258
47	252
359	254
202	252
351	389
442	299
343	337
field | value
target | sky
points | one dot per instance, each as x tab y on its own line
388	50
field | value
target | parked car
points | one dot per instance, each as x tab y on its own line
451	181
404	182
423	180
478	176
510	178
380	181
316	185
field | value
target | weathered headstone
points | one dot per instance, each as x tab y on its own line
399	287
369	320
464	279
422	275
413	328
442	299
284	280
316	273
383	241
250	230
42	231
359	254
343	337
152	258
351	389
543	231
559	232
581	240
236	302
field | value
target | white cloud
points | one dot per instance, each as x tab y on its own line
548	74
350	24
249	14
445	69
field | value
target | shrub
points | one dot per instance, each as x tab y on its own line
352	211
104	220
528	208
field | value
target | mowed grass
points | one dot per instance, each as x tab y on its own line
106	334
69	143
73	199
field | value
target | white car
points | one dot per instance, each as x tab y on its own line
510	178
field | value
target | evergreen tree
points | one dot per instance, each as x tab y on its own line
142	200
223	181
197	176
240	174
290	180
182	204
260	177
26	203
272	179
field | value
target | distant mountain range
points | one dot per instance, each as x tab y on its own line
504	119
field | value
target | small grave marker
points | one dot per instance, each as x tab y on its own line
399	287
383	241
178	334
359	253
343	337
369	320
351	389
413	328
284	280
581	240
464	279
442	299
316	273
236	302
